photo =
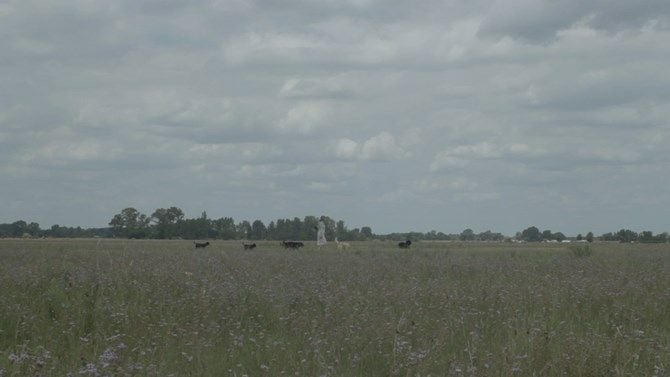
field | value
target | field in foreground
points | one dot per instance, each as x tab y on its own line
160	308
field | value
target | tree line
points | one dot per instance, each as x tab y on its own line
533	234
168	223
171	223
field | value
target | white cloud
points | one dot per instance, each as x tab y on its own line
382	147
313	88
346	149
486	102
305	118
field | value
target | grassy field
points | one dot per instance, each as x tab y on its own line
161	308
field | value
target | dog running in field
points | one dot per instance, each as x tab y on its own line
292	244
404	244
249	246
199	245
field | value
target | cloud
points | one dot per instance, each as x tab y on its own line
381	147
346	149
463	155
540	21
305	88
305	118
316	106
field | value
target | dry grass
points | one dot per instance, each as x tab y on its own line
160	308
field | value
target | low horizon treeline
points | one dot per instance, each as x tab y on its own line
170	223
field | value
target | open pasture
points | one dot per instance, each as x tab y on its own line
161	308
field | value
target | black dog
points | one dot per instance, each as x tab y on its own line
405	244
292	244
201	244
249	246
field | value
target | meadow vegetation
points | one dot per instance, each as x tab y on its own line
161	308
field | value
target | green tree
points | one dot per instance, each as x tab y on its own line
18	228
297	229
130	223
309	228
33	229
243	230
341	231
272	231
626	235
589	237
609	236
225	228
558	236
258	230
166	221
467	235
283	231
531	234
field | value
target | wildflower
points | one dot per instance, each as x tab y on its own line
17	359
107	357
90	369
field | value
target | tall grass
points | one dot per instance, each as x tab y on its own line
160	308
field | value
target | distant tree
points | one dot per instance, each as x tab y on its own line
130	223
199	228
310	225
166	221
609	236
467	235
225	228
558	236
626	235
579	237
18	228
490	236
444	237
330	228
366	232
283	231
243	230
646	237
547	235
531	234
589	237
258	230
272	231
33	229
341	231
297	231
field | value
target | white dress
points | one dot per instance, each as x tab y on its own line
321	234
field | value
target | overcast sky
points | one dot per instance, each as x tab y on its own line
400	115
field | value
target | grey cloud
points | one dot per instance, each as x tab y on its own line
261	109
540	21
602	88
305	88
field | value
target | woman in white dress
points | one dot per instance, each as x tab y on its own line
321	232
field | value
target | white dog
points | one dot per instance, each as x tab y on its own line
341	245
